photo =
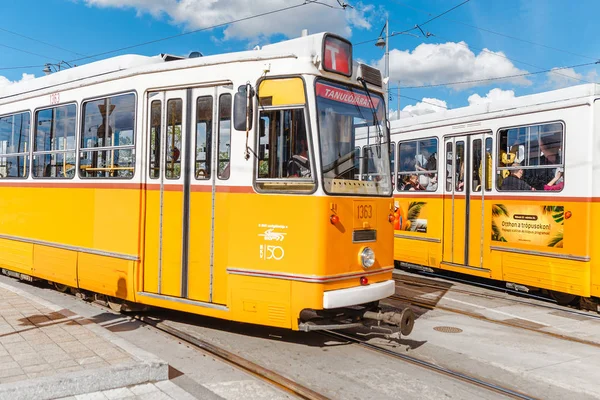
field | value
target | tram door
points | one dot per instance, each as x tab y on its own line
468	177
187	163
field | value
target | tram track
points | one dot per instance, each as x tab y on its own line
434	305
417	280
514	394
269	376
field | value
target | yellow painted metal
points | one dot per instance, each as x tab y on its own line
571	274
125	221
199	249
287	91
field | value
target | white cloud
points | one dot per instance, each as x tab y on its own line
197	14
431	64
4	81
493	95
563	77
425	106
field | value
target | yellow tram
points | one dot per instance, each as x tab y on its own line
221	185
507	190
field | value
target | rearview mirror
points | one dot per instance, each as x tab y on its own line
243	108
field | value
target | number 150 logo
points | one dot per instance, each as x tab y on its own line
271	252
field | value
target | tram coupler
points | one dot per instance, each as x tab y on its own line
404	320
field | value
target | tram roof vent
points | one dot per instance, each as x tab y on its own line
370	75
171	57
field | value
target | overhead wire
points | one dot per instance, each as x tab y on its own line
306	2
28	52
466	82
499	33
40	41
416	26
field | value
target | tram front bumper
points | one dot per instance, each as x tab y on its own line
358	295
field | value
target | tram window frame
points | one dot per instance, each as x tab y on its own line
431	187
69	147
296	139
478	171
154	144
173	141
108	151
225	172
5	155
208	139
393	164
533	173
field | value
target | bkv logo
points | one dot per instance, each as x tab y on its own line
268	252
271	235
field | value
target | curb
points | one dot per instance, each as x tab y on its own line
148	368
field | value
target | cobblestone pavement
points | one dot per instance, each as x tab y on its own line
37	342
149	391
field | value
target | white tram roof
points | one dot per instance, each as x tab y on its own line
498	108
303	47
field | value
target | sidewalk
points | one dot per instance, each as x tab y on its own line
47	352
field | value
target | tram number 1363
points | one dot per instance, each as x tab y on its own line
364	212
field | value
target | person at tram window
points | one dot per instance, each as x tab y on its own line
515	180
548	178
412	183
299	164
460	179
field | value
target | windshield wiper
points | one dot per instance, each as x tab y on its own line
375	119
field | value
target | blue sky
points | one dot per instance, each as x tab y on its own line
481	39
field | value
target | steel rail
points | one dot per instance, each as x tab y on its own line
549	306
431	306
254	369
427	365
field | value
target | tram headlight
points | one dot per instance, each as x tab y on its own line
367	257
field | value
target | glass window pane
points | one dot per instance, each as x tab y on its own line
460	166
488	164
173	141
204	120
55	129
54	165
13	166
283	145
476	173
109	122
531	158
449	167
155	121
224	146
417	165
14	133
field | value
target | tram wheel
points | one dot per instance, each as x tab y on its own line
61	288
563	299
115	304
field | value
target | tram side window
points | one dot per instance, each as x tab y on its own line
173	140
14	145
393	161
449	167
283	151
224	146
54	142
204	120
155	122
531	158
417	165
108	138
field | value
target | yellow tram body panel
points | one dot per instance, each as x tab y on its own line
82	242
562	265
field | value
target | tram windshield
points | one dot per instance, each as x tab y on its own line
346	113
